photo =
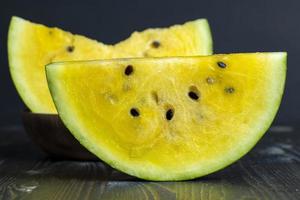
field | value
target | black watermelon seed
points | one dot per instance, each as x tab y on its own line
70	48
229	90
134	112
169	114
155	44
128	70
193	95
221	64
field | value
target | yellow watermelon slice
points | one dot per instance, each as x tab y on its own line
169	118
31	46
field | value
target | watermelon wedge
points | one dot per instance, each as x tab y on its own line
31	46
172	118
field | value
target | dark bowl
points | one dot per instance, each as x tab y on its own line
49	133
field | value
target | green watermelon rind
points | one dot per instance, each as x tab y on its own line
278	82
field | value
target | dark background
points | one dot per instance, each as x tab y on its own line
237	26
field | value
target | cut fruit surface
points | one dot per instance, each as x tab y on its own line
169	118
31	46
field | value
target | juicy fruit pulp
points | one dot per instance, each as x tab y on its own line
169	118
32	46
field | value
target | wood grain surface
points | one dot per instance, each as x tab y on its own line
270	171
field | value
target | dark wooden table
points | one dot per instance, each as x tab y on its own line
270	171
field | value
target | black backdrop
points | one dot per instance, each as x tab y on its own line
237	26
